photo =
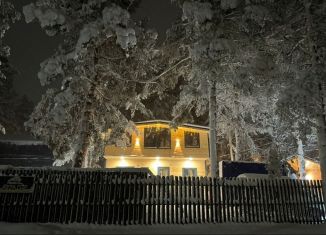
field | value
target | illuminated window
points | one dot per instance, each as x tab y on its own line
192	139
189	172
163	171
157	138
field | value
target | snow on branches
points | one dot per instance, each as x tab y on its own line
8	15
197	11
98	93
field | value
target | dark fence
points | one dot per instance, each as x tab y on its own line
103	197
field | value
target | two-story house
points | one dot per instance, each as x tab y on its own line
165	151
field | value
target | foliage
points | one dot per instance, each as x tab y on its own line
108	64
252	50
8	15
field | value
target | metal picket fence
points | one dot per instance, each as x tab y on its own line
104	197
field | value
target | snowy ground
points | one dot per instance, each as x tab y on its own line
8	228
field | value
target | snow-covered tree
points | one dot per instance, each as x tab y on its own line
228	58
303	40
104	66
237	49
8	15
14	108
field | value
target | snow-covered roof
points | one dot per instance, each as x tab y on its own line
158	121
305	157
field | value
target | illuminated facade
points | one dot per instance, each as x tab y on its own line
165	151
312	168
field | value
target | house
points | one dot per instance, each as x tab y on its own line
165	151
25	153
312	167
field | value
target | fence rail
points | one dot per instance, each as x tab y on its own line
102	197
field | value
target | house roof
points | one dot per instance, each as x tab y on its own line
305	157
169	122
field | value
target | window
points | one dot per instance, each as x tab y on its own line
189	172
163	171
192	139
157	138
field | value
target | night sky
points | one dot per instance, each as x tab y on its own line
30	45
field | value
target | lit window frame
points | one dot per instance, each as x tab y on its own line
185	139
164	168
192	168
157	147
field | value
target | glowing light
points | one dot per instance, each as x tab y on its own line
177	147
309	177
156	164
137	143
188	163
123	162
307	164
177	143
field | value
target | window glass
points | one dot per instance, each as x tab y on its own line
189	172
163	171
192	139
157	137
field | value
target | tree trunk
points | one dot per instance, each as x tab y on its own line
321	110
231	146
212	129
82	157
301	160
81	160
321	119
237	145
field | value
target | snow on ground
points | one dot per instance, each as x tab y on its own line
20	228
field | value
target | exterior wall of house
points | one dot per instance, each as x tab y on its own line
312	168
176	157
175	164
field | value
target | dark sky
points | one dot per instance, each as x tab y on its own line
30	45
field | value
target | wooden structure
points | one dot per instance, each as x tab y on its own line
104	197
312	168
165	151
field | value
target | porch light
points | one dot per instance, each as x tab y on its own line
309	177
123	162
188	163
177	143
137	143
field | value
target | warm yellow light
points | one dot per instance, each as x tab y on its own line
307	164
156	164
137	143
188	163
309	177
123	162
177	143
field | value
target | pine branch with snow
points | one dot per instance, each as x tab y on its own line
98	93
